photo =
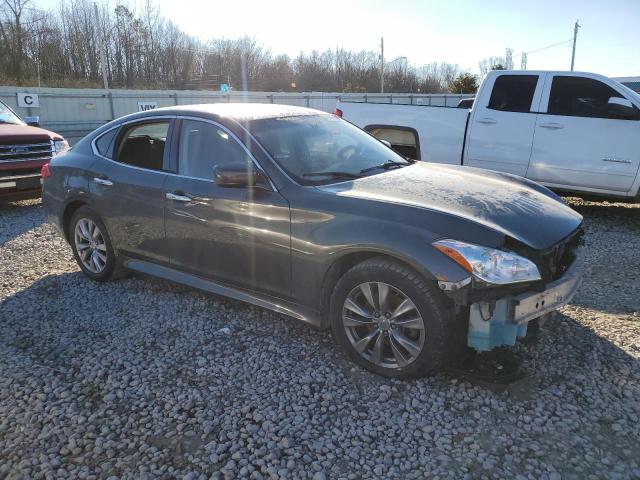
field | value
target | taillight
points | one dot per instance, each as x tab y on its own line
338	112
44	171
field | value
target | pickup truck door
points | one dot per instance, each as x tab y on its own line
502	122
579	144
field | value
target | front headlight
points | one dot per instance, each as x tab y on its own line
488	264
60	147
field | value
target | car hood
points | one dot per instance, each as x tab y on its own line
514	206
21	133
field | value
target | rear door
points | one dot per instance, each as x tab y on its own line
500	131
239	236
578	143
127	186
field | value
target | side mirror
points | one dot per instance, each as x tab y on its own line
32	121
622	108
232	175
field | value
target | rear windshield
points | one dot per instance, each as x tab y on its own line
320	149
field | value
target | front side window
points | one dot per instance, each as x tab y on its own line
403	140
7	116
143	145
513	93
580	97
203	146
320	149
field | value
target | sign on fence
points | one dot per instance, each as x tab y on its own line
144	106
28	100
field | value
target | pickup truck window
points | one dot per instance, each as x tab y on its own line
513	93
403	140
580	97
321	149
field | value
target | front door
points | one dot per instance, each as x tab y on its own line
501	127
578	143
239	236
127	187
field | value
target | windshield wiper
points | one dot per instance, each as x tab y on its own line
385	166
331	175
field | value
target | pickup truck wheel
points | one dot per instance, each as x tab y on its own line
92	246
390	320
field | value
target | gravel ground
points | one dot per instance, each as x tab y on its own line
145	379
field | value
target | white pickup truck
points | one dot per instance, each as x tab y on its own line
573	132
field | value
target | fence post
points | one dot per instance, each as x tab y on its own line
270	98
113	113
411	99
365	98
175	98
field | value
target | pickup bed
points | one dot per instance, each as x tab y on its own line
24	149
573	132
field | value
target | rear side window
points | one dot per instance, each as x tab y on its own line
513	93
104	143
203	146
403	140
580	97
142	145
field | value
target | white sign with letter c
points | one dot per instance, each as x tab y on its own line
28	100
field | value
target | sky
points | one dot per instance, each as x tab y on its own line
462	32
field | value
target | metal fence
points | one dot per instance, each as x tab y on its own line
75	112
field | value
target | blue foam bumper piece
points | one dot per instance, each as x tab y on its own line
498	334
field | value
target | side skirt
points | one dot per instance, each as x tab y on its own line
277	305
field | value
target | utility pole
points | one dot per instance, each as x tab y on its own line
103	57
508	59
381	64
575	36
523	61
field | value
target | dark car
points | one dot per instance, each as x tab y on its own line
303	213
24	149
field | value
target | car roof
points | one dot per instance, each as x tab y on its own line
240	112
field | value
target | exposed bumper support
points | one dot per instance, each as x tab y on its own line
508	320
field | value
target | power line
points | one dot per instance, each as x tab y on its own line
550	46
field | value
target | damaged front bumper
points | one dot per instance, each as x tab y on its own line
502	321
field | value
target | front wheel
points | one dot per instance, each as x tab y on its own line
390	320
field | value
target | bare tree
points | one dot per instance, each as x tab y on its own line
144	49
488	64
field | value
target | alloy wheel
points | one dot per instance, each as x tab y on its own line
90	245
383	325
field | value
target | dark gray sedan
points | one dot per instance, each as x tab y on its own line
303	213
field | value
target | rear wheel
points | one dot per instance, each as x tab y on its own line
92	246
390	320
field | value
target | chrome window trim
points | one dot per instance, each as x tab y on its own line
94	148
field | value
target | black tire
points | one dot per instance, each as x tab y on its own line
112	270
435	310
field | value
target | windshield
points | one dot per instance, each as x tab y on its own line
7	116
320	149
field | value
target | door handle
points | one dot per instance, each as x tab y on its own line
552	125
103	181
177	198
487	120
